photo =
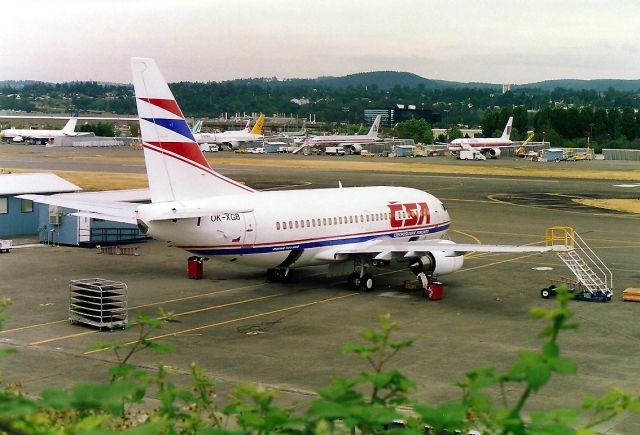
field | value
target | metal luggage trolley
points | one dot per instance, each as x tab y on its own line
98	302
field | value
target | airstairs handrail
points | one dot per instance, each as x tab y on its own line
565	240
595	260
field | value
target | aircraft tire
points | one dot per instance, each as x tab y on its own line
353	281
366	283
274	275
545	293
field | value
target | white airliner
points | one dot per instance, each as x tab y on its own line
485	145
233	138
197	209
347	139
22	134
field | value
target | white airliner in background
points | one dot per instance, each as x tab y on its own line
485	145
198	209
233	138
39	135
348	139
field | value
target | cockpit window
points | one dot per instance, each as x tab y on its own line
443	207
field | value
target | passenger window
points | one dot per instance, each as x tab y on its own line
284	225
277	225
290	225
308	225
350	219
340	220
313	222
324	221
335	221
302	224
297	224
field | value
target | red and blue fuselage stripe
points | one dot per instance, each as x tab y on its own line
308	243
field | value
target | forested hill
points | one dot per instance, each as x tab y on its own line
599	85
386	80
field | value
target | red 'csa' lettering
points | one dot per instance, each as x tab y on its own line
415	213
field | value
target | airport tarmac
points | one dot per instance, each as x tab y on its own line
240	328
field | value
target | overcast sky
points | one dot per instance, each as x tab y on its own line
516	41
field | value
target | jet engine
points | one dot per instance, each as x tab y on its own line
494	153
17	139
437	262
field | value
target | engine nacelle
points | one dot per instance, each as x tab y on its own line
17	139
494	153
437	263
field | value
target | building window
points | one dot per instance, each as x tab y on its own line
4	205
26	206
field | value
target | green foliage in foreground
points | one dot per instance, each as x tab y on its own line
367	402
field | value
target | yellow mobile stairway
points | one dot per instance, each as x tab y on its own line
590	272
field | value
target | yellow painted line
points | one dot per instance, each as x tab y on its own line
168	301
477	240
185	313
49	340
33	326
239	319
497	262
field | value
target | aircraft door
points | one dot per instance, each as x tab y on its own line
249	229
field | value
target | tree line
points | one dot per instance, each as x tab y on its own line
567	117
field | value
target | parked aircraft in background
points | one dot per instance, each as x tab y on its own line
347	139
39	135
300	133
199	210
485	145
233	138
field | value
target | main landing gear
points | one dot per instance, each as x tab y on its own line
363	282
279	274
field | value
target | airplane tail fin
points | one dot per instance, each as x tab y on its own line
257	129
507	129
374	127
197	127
70	127
176	168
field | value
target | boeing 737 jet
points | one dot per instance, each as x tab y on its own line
233	138
203	212
485	145
347	139
22	134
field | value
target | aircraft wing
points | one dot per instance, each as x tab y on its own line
389	246
107	210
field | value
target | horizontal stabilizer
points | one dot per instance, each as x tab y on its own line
108	210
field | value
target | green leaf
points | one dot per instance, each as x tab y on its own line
563	365
445	417
537	375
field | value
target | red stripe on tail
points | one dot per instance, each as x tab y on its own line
187	150
168	105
